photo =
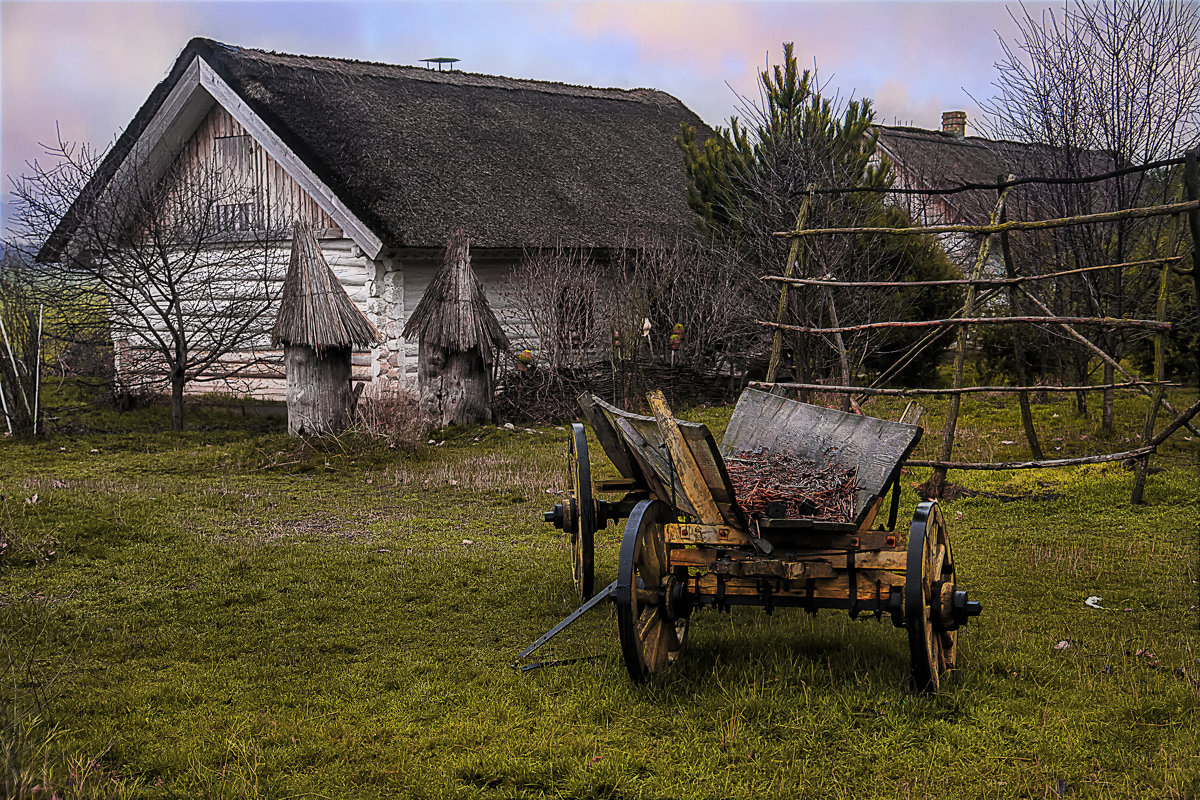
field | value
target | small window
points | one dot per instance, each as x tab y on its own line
235	217
235	154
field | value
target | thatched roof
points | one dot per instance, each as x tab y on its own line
315	309
935	159
454	313
416	153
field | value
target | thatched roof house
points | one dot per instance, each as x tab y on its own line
926	159
946	158
385	161
407	155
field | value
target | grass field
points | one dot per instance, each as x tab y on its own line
230	613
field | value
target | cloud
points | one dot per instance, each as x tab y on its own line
90	65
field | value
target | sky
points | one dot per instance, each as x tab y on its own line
83	69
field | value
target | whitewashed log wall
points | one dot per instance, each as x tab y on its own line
387	289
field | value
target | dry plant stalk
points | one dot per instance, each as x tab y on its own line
806	490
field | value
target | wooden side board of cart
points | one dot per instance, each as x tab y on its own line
687	543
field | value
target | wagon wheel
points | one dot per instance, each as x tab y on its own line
651	612
928	579
583	523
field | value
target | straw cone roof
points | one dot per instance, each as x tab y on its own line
315	310
454	313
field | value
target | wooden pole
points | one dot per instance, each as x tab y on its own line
1091	387
691	479
1166	261
841	347
1015	225
1191	182
4	403
1010	271
1143	463
1180	421
795	253
1108	322
1105	357
16	371
37	370
1043	464
938	482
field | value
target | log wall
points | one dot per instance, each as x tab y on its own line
387	289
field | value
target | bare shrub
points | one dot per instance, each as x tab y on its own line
607	324
393	415
555	307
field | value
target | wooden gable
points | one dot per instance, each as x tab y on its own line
258	189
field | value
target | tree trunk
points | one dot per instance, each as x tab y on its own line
177	384
455	387
318	390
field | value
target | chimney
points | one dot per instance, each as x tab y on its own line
954	122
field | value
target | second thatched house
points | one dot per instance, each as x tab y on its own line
383	162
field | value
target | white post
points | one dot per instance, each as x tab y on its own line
37	370
4	403
13	359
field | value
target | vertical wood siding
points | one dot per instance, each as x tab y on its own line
270	184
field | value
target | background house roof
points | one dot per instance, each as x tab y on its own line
416	153
936	159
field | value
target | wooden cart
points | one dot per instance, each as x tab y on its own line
687	544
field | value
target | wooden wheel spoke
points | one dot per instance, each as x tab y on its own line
649	640
645	622
930	560
938	562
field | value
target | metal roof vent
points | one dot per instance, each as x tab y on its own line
439	61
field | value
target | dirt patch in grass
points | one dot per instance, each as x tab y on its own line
320	526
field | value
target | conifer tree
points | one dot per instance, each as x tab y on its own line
749	181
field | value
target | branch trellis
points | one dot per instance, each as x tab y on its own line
1018	292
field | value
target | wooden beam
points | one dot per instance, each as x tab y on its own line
690	477
355	228
1108	322
991	282
1015	225
820	387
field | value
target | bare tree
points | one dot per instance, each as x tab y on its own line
581	315
1102	86
182	255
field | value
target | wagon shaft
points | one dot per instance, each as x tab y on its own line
780	485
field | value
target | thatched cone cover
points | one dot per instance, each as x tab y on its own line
459	339
318	325
315	310
454	314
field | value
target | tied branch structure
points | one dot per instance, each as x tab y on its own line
1018	289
